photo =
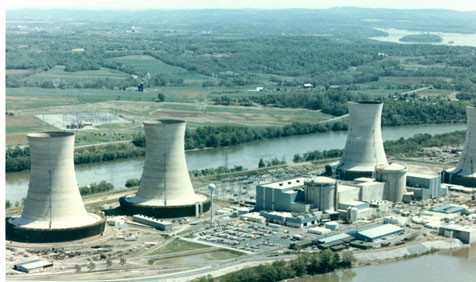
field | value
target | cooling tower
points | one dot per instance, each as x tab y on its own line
165	189
322	192
395	178
54	210
364	147
465	173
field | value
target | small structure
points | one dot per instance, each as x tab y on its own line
253	217
156	223
33	266
308	85
377	232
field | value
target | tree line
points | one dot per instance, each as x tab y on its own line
305	264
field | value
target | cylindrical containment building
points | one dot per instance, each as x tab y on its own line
364	147
322	192
465	173
54	210
395	178
165	189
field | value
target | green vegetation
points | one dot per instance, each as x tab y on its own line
94	188
178	245
216	171
273	162
133	182
422	38
306	264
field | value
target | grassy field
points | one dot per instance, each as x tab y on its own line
60	76
178	245
252	116
148	64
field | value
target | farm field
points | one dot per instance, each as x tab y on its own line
59	76
148	64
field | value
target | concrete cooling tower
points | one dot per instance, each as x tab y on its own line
54	210
465	173
165	189
364	147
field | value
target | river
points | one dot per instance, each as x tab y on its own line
457	265
452	39
247	155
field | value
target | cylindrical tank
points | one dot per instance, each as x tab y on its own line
395	178
53	201
364	147
332	225
465	171
165	179
322	191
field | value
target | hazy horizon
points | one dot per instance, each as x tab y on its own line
458	5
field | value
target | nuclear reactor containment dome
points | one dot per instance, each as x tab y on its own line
395	178
465	173
322	192
165	188
364	147
54	210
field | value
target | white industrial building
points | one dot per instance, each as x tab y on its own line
165	189
33	266
54	210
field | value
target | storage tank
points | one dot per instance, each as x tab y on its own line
395	178
465	172
165	189
364	147
54	210
322	192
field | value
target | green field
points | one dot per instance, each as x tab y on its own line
148	64
178	245
59	76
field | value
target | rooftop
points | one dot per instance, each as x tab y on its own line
291	183
380	230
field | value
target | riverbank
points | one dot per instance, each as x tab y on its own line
404	252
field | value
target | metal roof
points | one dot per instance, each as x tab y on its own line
34	264
380	231
336	237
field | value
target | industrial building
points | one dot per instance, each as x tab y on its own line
297	220
466	234
54	210
322	193
364	147
395	178
165	189
425	186
375	232
156	223
33	266
282	196
465	172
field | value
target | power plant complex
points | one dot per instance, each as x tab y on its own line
165	188
54	210
361	186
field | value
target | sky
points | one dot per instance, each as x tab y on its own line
462	5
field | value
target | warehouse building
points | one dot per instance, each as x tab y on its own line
282	196
33	266
297	220
377	232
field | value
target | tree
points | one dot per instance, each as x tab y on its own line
133	182
160	97
347	259
261	163
8	204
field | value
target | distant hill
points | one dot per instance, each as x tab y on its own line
268	21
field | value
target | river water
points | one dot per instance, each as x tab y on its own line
449	266
247	155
